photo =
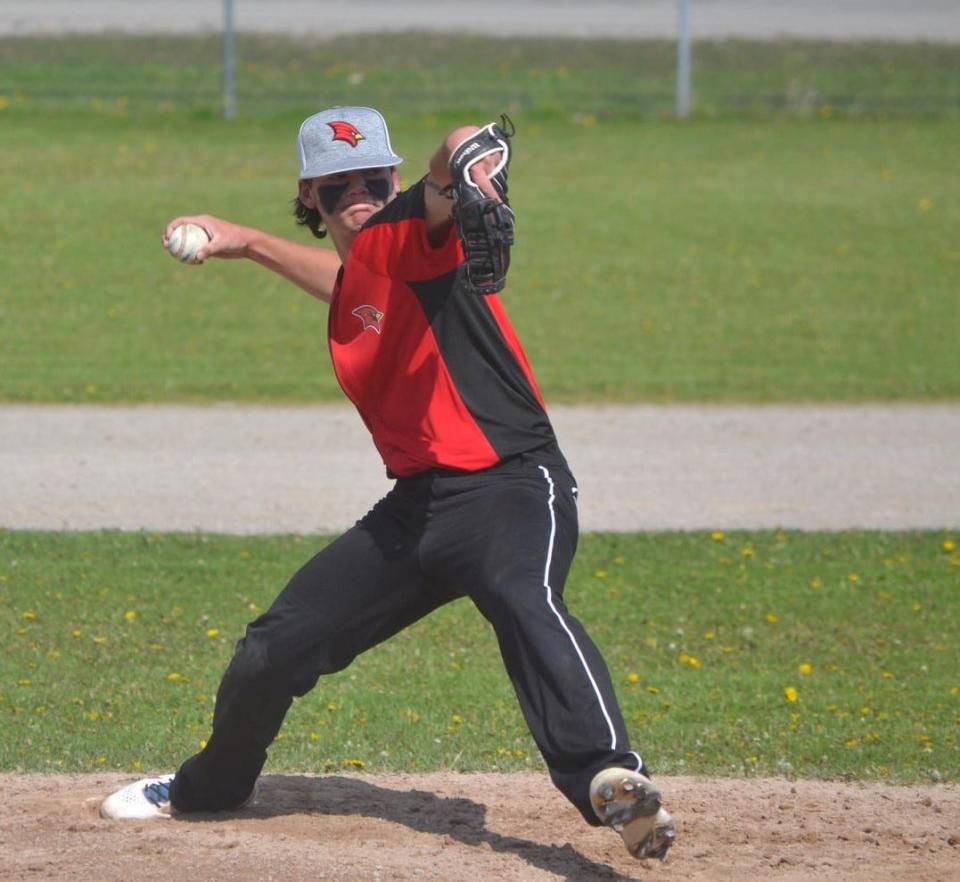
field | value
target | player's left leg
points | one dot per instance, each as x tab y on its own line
509	542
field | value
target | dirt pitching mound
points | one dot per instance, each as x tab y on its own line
481	827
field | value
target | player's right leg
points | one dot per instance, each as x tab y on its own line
356	592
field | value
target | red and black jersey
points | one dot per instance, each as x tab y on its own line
436	371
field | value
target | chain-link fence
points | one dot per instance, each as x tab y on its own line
428	72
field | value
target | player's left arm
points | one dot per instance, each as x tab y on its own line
437	197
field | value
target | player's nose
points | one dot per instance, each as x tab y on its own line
357	182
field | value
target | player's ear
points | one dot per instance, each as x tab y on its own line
394	180
306	195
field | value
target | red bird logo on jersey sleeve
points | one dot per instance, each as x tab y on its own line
370	316
344	131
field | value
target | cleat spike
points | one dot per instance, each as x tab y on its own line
629	803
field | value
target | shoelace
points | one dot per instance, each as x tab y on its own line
158	792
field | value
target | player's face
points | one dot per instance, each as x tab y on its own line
348	199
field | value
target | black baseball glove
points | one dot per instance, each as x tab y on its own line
485	225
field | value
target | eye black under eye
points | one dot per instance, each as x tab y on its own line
329	195
379	188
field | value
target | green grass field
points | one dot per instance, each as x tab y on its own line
817	655
794	241
416	74
779	256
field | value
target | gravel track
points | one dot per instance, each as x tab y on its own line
934	20
312	469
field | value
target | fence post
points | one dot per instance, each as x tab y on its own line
229	62
683	60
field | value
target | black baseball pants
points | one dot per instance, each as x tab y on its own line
505	538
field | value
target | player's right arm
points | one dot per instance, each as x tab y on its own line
312	268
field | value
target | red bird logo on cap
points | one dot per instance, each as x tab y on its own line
344	131
370	316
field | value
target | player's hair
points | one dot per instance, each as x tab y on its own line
309	218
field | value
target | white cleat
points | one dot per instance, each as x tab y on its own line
145	800
630	804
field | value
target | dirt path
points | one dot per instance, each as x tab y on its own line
262	470
833	19
482	828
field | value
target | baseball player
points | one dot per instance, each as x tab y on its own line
483	505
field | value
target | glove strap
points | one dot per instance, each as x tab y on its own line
492	138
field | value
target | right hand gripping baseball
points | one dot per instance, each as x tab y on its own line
485	225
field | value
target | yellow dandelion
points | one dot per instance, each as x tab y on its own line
456	719
600	574
718	535
925	203
633	677
333	706
130	615
790	694
805	668
949	545
355	763
213	632
916	607
773	618
653	690
30	615
747	551
816	583
853	578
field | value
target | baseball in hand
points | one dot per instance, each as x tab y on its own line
185	241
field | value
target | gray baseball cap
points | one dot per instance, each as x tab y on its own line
344	139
